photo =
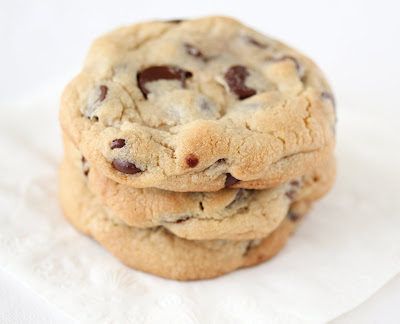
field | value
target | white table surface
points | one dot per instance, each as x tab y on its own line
357	43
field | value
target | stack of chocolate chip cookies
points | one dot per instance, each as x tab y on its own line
194	148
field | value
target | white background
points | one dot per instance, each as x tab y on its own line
357	44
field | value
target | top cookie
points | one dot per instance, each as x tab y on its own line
198	105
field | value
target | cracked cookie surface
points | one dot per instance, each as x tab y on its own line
197	106
157	250
234	214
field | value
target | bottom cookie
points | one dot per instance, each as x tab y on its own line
158	251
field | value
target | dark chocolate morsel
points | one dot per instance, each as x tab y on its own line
248	247
85	166
195	52
254	42
103	93
205	105
295	183
161	72
117	143
174	21
291	194
192	160
238	195
235	78
292	216
329	96
182	219
230	180
125	167
288	57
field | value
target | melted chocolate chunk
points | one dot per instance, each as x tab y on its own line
192	161
117	143
205	105
329	96
103	93
162	72
85	166
195	52
288	57
174	21
238	195
235	78
295	183
230	180
254	42
292	216
291	194
182	219
125	167
248	247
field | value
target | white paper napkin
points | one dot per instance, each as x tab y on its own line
345	249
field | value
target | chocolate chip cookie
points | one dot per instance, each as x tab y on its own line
199	105
233	214
156	250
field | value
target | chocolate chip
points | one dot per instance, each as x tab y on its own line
162	72
174	21
254	42
103	93
329	96
205	105
292	216
85	166
295	183
239	194
192	161
201	205
125	167
235	78
182	219
230	180
288	57
117	143
195	52
177	221
291	194
248	247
